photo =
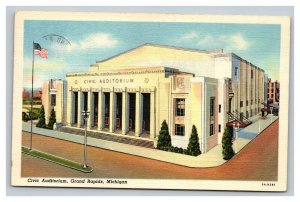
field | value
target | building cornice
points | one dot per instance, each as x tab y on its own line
153	70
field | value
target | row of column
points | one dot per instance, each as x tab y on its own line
112	111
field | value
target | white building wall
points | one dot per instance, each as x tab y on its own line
223	67
209	89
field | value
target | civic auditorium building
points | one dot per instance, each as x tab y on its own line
132	93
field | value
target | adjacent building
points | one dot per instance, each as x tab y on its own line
133	92
54	97
273	92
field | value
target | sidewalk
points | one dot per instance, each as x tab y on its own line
245	135
210	159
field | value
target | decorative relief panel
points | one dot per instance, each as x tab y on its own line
179	120
118	90
106	89
131	90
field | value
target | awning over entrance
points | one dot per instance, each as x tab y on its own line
236	122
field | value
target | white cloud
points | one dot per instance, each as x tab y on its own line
98	40
208	39
228	42
44	69
92	41
239	42
189	36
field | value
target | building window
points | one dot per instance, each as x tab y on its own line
236	71
179	129
247	103
211	129
241	103
219	128
53	100
212	104
180	107
220	107
251	73
242	116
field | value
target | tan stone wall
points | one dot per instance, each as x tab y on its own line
196	112
46	101
243	85
210	90
59	109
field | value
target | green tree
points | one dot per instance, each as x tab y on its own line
193	146
42	121
52	119
164	138
227	151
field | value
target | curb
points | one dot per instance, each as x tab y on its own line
84	171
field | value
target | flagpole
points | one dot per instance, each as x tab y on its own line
32	71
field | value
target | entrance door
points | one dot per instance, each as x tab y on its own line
146	112
95	121
75	120
229	104
132	100
119	111
106	109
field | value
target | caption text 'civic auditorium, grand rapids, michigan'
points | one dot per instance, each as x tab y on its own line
132	93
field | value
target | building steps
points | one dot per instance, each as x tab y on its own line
109	137
237	118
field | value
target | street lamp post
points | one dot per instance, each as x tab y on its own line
236	127
259	125
85	115
271	108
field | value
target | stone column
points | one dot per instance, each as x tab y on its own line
112	112
101	113
90	109
70	106
125	112
139	113
152	115
80	105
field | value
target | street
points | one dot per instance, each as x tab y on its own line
257	161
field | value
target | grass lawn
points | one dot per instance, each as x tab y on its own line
57	160
34	110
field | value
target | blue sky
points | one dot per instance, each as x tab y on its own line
94	41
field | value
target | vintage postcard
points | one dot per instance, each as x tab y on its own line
150	101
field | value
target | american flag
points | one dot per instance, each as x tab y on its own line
38	50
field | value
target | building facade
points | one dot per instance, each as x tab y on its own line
273	92
134	92
54	97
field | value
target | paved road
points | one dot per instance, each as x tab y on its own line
257	161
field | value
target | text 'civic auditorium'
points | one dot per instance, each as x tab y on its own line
132	93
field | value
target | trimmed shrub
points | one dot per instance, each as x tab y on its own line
193	146
42	121
227	151
164	138
25	117
52	119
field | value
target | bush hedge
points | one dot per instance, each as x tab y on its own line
42	120
52	119
164	142
164	138
227	150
